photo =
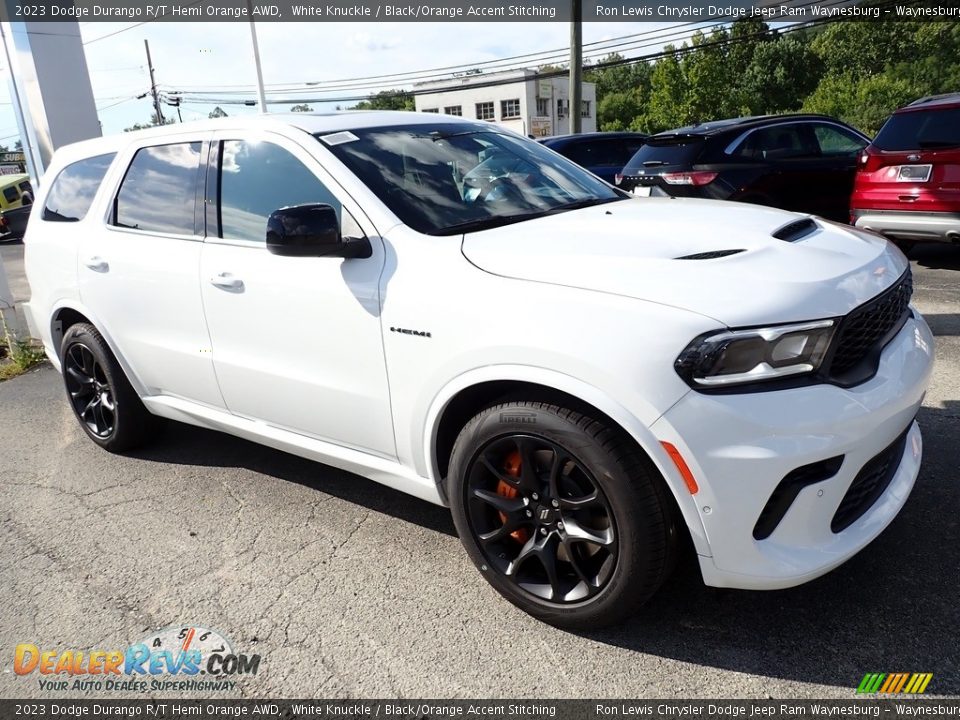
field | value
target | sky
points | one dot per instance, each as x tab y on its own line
194	55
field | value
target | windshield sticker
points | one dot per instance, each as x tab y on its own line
339	138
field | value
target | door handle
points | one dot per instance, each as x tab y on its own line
97	264
226	281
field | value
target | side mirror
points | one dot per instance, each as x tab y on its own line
311	231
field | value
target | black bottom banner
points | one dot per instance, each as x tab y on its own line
510	709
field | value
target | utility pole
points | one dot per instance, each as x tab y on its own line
261	95
153	85
576	66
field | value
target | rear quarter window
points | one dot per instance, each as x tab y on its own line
920	130
74	188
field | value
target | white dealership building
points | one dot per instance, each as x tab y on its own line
519	99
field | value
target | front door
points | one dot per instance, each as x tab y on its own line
296	341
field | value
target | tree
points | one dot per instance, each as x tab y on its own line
780	76
217	112
154	122
387	100
301	108
864	103
18	146
859	49
668	89
708	81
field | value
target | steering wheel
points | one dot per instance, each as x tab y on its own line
509	191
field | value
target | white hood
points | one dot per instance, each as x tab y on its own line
629	248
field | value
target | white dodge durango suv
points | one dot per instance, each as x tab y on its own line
457	312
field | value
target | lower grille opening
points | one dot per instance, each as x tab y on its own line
869	484
787	490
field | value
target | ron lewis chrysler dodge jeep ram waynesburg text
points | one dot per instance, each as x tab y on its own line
462	314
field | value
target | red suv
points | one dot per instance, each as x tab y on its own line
908	183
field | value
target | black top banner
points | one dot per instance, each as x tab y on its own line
691	11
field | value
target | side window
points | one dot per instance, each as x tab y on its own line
158	193
257	178
779	142
72	192
837	141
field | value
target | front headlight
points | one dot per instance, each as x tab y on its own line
735	357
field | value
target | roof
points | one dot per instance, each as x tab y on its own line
318	122
594	136
715	127
933	101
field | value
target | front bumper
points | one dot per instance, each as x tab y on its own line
910	225
740	447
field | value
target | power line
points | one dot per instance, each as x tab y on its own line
554	73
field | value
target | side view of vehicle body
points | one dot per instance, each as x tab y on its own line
804	163
583	377
908	184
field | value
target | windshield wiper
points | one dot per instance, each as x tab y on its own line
501	220
487	223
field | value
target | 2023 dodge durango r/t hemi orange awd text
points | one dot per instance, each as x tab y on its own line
582	376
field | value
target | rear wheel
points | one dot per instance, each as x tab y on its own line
101	397
564	516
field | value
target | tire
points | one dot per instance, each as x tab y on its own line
606	523
102	399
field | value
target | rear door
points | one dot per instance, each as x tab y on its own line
840	150
604	157
139	267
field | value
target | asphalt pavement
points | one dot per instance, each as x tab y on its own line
348	589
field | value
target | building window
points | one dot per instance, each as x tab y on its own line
453	110
509	109
543	107
485	111
430	110
560	108
585	108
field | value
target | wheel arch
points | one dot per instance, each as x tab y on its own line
66	314
469	394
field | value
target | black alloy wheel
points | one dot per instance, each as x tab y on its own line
89	390
562	512
541	519
108	408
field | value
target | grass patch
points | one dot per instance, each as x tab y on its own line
17	356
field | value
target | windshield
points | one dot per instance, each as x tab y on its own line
447	178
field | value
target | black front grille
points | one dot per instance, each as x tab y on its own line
864	333
869	484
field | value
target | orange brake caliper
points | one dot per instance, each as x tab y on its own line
512	467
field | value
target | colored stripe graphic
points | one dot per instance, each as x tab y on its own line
894	683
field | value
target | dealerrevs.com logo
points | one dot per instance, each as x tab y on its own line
178	658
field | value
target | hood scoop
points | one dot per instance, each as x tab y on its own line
711	255
797	230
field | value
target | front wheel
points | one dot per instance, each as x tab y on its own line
564	516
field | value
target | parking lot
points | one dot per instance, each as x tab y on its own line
347	588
